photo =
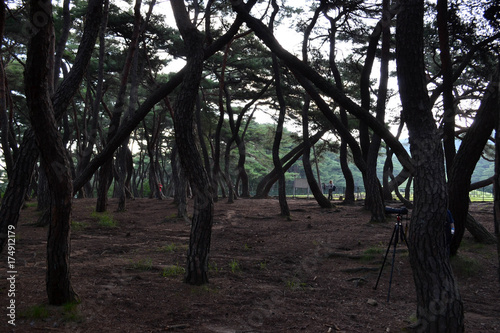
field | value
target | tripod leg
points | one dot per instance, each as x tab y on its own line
385	257
396	230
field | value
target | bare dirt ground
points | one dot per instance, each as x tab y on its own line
315	273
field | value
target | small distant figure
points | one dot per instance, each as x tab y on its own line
160	194
331	188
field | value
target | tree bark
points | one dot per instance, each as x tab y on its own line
447	73
439	305
306	156
287	161
284	209
28	153
466	159
106	171
201	223
38	80
93	127
4	119
158	95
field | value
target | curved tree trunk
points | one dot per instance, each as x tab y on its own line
201	223
52	152
434	281
306	158
349	197
20	181
284	209
106	171
374	199
466	159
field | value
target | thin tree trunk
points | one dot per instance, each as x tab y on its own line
284	209
306	156
106	171
349	197
447	72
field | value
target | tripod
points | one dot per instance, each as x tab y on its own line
397	233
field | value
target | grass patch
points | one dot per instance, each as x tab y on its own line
78	226
30	204
371	253
104	219
70	312
143	265
295	284
212	267
234	265
172	247
35	312
465	267
173	271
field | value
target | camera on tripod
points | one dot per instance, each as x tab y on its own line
399	211
397	234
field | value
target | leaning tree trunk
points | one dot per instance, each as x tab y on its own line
466	159
349	197
106	171
37	80
439	305
201	223
27	156
306	158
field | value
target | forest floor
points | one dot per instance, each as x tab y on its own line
315	273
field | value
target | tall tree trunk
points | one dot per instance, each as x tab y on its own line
179	184
61	43
306	156
155	97
38	80
106	171
28	153
447	72
466	159
284	210
349	197
231	196
439	305
201	224
94	121
374	199
4	119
